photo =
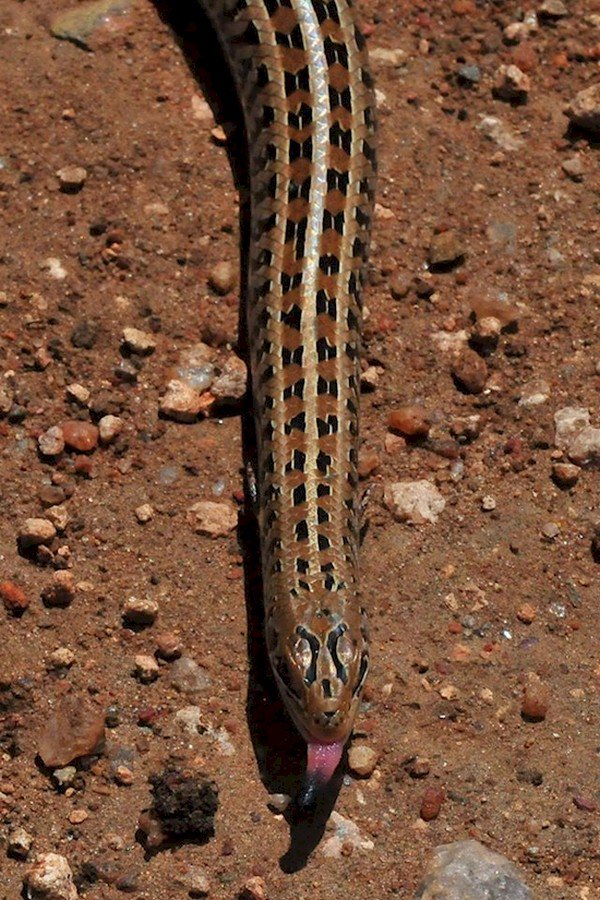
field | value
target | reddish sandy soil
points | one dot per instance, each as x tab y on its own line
137	243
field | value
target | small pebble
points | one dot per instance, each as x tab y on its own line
511	84
188	677
19	843
61	591
52	441
80	436
64	777
431	803
526	613
109	427
212	519
140	611
568	423
145	668
536	698
73	729
139	342
469	75
362	760
84	335
418	767
584	109
414	502
55	269
534	394
124	776
181	402
196	367
168	646
79	393
14	599
467	870
59	516
368	463
552	9
71	179
34	532
470	371
486	333
446	249
78	816
488	504
395	57
144	513
50	878
574	167
279	802
566	474
550	531
369	379
254	888
231	384
410	420
222	277
61	658
81	22
584	449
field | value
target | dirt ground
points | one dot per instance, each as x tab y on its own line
463	610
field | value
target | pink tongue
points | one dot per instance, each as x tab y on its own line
323	759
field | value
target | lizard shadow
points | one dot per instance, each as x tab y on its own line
278	749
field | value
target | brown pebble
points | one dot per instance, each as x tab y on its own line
80	436
400	286
585	803
71	179
61	590
222	277
445	249
536	698
14	599
34	532
526	613
525	57
367	464
362	760
410	420
470	371
432	803
74	729
393	444
254	889
418	767
77	816
566	474
168	645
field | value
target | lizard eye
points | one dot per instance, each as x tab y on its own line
345	650
302	653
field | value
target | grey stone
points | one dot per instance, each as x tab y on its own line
466	870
